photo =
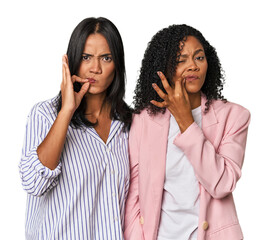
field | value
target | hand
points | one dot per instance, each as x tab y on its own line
176	100
70	98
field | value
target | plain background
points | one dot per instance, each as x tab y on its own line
35	34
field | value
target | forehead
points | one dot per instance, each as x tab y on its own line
191	44
97	43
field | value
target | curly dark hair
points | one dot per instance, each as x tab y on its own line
162	55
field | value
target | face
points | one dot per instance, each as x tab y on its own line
192	65
97	64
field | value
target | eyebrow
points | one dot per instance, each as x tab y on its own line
102	55
196	52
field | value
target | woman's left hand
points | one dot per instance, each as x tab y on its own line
176	101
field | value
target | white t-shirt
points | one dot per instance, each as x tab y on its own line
180	206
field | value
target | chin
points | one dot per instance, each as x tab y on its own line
95	91
193	91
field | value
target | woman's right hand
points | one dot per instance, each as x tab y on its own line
70	98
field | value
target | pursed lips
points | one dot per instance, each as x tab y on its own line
91	80
191	78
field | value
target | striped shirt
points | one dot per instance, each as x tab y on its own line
84	197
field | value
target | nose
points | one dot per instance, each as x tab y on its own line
193	66
95	66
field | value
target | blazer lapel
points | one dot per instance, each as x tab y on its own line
161	119
159	126
208	118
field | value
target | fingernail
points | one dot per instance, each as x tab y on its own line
159	73
154	85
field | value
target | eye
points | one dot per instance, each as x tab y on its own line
180	59
85	57
200	58
107	59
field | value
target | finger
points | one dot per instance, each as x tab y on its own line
79	79
63	70
179	86
164	82
67	75
159	91
66	59
65	66
65	82
184	90
158	104
84	89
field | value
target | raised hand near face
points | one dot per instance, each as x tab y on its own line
70	98
176	101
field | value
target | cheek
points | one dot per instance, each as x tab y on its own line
178	74
110	75
204	67
81	70
111	70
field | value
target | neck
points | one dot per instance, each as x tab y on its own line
195	100
96	104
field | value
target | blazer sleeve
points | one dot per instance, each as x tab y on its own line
132	228
36	178
217	170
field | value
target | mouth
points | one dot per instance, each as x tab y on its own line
191	78
91	80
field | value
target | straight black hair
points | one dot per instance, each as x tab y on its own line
116	91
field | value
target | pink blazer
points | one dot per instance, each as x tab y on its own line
216	153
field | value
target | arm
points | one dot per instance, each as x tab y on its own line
40	162
217	170
36	178
49	151
133	230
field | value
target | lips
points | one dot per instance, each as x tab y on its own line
191	78
91	80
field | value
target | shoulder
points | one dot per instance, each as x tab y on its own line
145	117
138	122
221	106
230	110
141	115
45	109
146	122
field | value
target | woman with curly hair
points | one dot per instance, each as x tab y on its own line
186	143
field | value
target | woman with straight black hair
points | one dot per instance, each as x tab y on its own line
74	164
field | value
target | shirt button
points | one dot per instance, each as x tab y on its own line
116	219
141	220
205	225
112	172
113	194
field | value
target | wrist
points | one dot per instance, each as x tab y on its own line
65	115
184	124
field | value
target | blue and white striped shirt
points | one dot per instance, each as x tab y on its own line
84	197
